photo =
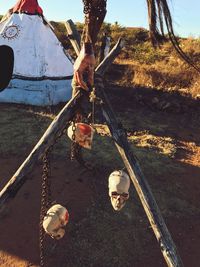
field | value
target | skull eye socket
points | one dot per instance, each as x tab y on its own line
124	195
115	195
56	236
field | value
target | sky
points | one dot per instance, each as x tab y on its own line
132	13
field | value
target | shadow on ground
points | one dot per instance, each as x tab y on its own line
96	235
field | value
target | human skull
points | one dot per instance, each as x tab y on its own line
83	134
55	220
118	184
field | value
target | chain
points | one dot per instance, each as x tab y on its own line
73	145
76	153
95	101
45	201
92	99
45	195
76	149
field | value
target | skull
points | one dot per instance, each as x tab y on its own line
118	184
55	220
83	134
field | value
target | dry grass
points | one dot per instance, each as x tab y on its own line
163	145
145	66
161	69
160	75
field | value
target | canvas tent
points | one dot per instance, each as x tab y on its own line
42	69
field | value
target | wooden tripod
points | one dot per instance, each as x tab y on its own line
118	134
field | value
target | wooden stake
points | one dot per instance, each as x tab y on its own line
73	35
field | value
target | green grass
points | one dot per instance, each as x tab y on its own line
20	130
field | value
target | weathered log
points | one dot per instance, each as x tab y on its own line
73	35
108	60
140	183
105	46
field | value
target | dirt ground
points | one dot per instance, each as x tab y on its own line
20	222
174	179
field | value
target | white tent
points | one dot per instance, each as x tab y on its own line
42	70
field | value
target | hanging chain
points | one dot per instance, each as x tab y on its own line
73	145
81	116
96	101
92	99
76	149
45	201
45	195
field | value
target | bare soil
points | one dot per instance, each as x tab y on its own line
96	235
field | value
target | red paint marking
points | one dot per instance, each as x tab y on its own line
67	216
84	129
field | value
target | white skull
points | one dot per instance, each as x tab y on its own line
118	184
55	220
83	134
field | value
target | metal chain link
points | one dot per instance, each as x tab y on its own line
76	149
73	145
45	200
92	99
46	195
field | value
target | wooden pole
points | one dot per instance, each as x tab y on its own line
105	46
140	183
107	61
73	35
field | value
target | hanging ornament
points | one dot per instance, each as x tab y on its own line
55	220
82	134
118	184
